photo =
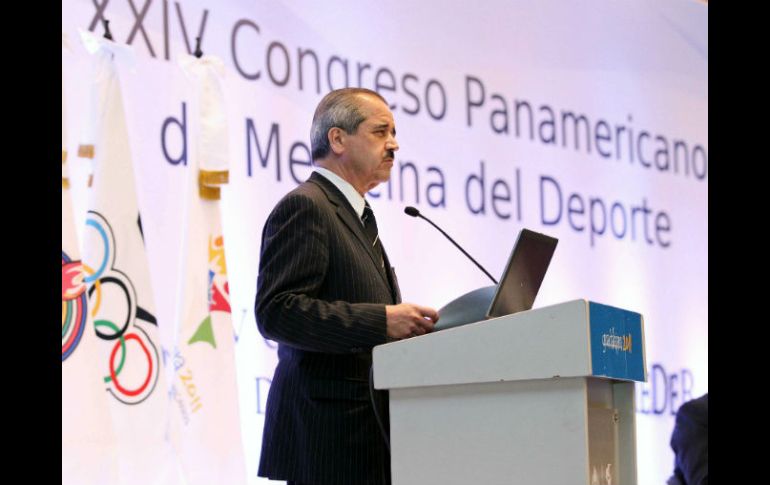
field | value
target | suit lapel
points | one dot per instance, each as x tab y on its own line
348	216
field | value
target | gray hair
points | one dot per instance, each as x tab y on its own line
338	109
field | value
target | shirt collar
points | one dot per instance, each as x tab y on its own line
355	199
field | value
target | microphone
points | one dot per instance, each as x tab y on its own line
412	211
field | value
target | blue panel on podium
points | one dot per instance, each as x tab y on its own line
617	345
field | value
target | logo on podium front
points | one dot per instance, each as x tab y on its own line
616	343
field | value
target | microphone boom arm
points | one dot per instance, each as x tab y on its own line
416	213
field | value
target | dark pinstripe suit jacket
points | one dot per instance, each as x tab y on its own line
321	295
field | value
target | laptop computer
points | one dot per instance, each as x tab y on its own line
523	274
516	290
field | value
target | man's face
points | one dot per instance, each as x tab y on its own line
370	151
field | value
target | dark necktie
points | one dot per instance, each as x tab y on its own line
370	227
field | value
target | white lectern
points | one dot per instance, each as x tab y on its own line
544	396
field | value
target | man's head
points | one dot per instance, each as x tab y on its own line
354	135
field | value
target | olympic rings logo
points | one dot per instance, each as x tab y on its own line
74	305
117	317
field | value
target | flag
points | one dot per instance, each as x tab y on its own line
207	424
88	453
119	286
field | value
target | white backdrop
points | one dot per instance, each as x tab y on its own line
636	72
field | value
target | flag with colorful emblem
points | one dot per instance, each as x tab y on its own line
88	453
118	276
207	425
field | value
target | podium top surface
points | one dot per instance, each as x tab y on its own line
573	339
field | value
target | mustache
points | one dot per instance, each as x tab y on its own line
390	154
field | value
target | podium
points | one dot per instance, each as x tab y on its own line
544	396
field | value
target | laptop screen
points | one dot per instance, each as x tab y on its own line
523	275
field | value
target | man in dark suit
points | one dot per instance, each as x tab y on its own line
690	442
327	294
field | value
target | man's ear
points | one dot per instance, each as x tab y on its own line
336	140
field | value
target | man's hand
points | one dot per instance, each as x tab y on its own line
408	320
